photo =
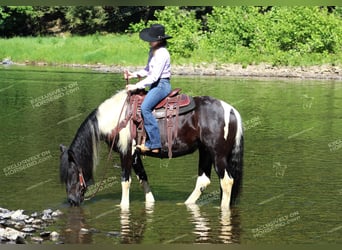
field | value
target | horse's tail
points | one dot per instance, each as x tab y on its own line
235	161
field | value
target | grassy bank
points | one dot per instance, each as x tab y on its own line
128	50
109	49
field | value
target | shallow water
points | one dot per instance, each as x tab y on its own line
292	190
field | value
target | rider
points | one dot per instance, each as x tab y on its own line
157	73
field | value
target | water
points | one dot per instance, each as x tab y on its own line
292	190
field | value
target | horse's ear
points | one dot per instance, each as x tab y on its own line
62	148
71	156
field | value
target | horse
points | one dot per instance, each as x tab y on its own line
213	127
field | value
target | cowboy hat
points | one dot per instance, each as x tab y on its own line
155	33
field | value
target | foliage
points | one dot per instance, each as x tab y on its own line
84	19
181	25
232	27
79	20
231	34
303	29
19	20
283	32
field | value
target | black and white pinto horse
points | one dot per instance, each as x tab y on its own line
213	127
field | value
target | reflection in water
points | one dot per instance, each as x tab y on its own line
132	231
132	228
226	234
125	222
228	230
76	230
202	227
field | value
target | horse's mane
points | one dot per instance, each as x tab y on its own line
84	147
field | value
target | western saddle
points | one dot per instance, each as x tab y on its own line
169	108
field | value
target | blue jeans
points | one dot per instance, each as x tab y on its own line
157	92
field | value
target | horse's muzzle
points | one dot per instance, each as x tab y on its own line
73	201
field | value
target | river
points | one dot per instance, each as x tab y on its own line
292	188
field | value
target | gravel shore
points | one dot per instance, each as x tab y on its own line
324	72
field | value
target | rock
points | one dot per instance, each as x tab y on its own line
29	220
45	234
47	211
15	226
113	234
7	61
11	234
20	240
34	215
6	215
56	213
8	223
37	239
84	231
19	225
54	236
3	239
47	217
94	230
37	221
28	230
3	210
18	215
37	226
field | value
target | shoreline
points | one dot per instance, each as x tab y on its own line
321	72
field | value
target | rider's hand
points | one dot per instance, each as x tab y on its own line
129	75
131	87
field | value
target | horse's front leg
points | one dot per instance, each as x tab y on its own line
126	169
142	177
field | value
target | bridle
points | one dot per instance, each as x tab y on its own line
81	180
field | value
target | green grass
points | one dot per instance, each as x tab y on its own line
129	50
109	49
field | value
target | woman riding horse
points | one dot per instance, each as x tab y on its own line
157	72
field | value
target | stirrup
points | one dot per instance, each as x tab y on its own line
145	149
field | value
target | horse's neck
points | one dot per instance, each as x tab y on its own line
86	142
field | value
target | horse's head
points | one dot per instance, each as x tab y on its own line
71	174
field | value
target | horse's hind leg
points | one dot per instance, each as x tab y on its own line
226	181
226	186
203	179
142	177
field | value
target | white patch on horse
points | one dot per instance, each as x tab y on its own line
149	198
202	182
239	131
125	185
227	109
108	117
226	186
